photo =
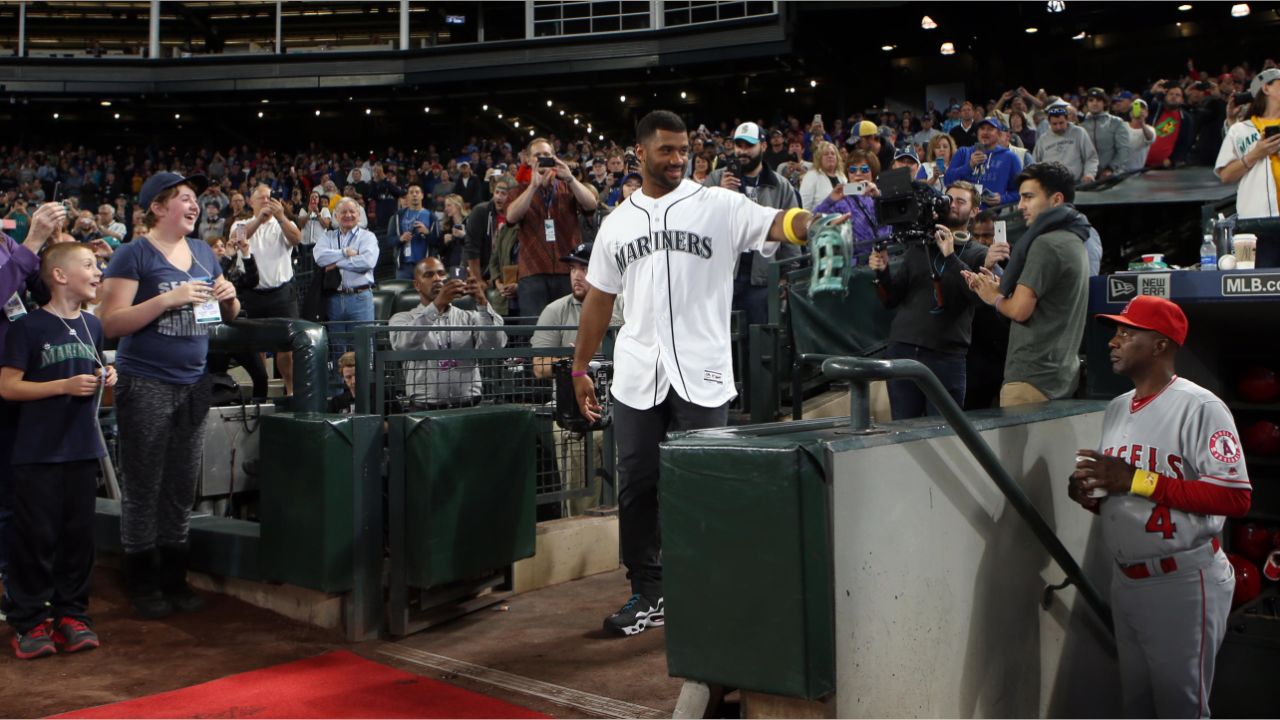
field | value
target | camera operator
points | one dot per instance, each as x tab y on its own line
747	174
437	384
935	306
987	165
1250	156
1044	290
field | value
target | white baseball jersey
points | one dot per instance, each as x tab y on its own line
673	259
1184	432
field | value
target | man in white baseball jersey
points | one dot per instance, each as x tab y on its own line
1168	472
670	248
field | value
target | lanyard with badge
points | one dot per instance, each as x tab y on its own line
93	352
14	309
208	311
549	203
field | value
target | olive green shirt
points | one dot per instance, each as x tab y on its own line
1044	351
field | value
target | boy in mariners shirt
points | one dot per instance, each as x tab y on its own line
52	369
1167	474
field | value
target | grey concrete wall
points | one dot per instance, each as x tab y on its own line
938	582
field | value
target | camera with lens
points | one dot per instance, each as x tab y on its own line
913	209
568	415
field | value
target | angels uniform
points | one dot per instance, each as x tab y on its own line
1171	593
672	258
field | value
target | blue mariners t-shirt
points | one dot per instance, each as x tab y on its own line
416	249
173	347
61	428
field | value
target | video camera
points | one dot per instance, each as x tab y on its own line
913	209
568	415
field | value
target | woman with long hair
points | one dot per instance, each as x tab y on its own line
453	232
1250	158
825	174
937	157
161	293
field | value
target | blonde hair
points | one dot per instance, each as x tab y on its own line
58	255
932	153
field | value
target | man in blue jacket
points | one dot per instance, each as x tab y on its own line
988	164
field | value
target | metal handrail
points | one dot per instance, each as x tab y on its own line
863	370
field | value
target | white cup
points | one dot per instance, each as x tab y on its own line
1245	247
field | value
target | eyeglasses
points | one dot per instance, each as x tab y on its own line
860	168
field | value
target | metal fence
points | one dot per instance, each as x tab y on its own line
413	368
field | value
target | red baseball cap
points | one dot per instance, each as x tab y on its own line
1152	313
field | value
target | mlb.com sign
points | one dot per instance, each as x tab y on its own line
1251	284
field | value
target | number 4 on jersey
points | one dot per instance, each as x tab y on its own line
1161	522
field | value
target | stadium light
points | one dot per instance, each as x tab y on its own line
1056	6
622	98
499	116
485	107
1184	8
887	48
117	116
927	23
548	103
562	113
1081	35
265	100
948	49
368	111
55	116
426	109
259	114
683	95
575	121
517	123
530	132
813	83
177	116
1032	31
600	136
105	103
317	113
1239	10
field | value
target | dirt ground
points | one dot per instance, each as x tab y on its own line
139	658
551	635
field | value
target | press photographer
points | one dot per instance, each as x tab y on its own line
935	306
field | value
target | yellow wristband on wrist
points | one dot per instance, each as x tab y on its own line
786	226
1144	483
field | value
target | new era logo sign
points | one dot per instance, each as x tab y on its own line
1121	289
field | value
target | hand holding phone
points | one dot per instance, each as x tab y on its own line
855	188
546	162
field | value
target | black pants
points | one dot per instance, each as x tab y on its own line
8	428
160	451
637	434
537	291
51	560
908	401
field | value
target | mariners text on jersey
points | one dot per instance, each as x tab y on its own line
659	240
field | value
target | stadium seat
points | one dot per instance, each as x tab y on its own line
384	302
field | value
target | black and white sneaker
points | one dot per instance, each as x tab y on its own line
639	614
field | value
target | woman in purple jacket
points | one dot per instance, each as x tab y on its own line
864	168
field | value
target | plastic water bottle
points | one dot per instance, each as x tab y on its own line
1208	254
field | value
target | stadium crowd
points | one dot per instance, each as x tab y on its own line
312	233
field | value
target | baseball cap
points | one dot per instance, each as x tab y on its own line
580	254
866	128
1265	77
748	132
629	176
906	153
1057	110
993	122
1124	95
1096	92
162	181
1146	312
464	162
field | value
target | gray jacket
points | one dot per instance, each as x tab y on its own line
775	192
1110	137
1072	148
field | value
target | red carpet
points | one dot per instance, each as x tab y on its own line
334	685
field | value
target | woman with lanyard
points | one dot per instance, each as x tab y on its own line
1250	156
864	168
160	295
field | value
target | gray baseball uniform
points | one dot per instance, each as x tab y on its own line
1171	593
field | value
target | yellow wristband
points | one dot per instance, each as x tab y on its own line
1144	483
786	226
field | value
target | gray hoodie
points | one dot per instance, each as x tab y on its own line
1073	148
1110	137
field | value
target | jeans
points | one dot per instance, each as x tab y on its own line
905	399
346	311
537	291
753	300
637	434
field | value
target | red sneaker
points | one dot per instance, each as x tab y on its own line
74	635
36	642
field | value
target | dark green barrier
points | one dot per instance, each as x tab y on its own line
746	565
308	342
469	491
853	324
312	525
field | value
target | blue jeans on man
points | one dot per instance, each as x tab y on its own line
906	400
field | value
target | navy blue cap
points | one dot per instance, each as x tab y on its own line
580	254
993	122
162	181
